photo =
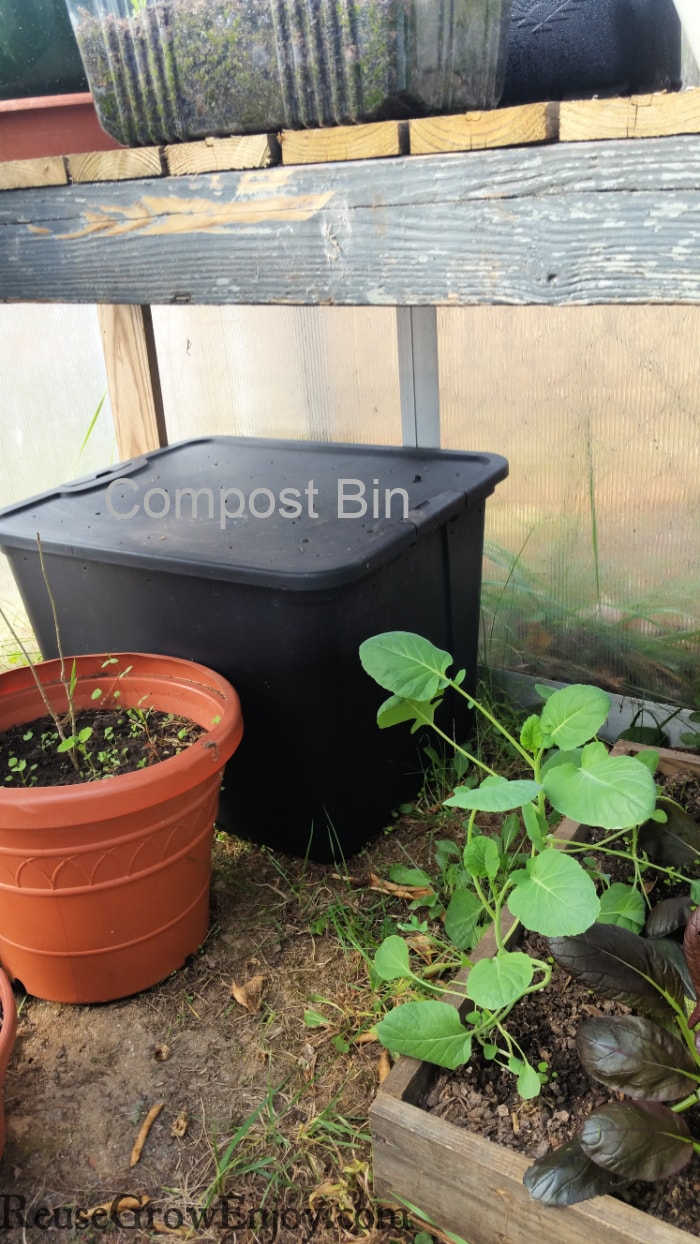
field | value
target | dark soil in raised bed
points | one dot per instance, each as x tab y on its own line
121	742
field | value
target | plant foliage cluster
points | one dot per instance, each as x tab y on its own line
531	874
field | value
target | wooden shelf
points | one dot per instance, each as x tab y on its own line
614	221
605	220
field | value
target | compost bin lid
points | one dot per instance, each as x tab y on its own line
284	514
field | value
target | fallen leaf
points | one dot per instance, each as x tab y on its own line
143	1132
383	1066
422	946
249	995
307	1061
179	1127
117	1205
162	1053
399	891
366	1038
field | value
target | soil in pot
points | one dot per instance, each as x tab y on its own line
118	742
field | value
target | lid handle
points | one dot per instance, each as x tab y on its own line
104	476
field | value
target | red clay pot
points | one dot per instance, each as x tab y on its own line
51	125
104	886
7	1041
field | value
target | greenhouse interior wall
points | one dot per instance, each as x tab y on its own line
591	568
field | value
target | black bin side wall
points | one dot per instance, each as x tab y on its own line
314	773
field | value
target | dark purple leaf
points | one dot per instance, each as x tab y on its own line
637	1139
668	915
636	1057
691	950
620	965
566	1176
676	843
674	952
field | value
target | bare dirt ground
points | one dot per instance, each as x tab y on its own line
262	1134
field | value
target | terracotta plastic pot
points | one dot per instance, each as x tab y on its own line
104	886
56	125
8	1031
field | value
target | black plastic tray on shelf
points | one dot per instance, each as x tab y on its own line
271	561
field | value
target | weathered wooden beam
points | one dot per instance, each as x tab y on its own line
582	223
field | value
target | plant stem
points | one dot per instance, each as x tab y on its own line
64	680
51	712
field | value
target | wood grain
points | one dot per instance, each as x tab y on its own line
21	174
127	164
132	377
600	222
215	154
639	116
474	1188
474	131
343	142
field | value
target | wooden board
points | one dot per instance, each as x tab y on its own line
472	1186
129	163
132	377
214	154
474	131
561	224
21	174
343	142
639	116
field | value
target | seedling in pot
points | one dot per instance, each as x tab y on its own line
651	1058
523	878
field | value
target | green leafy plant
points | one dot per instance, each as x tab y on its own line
651	1058
521	877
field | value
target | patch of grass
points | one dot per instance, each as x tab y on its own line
628	646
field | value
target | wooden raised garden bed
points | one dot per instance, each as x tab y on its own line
474	1187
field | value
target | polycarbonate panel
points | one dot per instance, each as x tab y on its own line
52	379
592	569
306	373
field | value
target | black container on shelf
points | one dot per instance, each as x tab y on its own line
563	49
265	567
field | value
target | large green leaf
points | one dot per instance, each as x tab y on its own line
495	794
566	1176
620	965
482	857
462	919
391	960
429	1030
494	983
632	1055
573	715
531	733
637	1139
622	904
554	895
406	664
614	792
396	710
